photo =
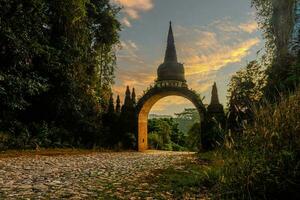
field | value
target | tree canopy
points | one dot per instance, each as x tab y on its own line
57	62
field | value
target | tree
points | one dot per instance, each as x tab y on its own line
128	122
187	119
280	26
165	134
194	138
245	91
160	134
24	44
51	72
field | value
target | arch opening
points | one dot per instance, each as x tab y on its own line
169	106
146	103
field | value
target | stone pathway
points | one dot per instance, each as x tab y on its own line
96	175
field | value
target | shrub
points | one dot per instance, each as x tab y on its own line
212	134
193	141
263	163
155	140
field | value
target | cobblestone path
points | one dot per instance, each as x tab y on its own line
96	175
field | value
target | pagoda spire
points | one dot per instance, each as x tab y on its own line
214	95
171	55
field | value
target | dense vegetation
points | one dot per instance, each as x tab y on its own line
181	132
260	156
164	134
185	132
262	162
57	62
57	67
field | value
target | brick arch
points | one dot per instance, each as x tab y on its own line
153	95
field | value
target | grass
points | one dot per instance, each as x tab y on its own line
193	179
263	162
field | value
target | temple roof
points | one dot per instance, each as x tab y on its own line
170	69
215	107
214	95
170	55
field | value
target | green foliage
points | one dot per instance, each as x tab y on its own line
194	138
155	140
246	86
127	122
164	134
161	136
212	134
261	158
49	75
187	119
277	20
283	78
245	91
189	181
263	162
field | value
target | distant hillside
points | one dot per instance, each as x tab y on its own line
157	116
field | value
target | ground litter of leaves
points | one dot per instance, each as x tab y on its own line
86	175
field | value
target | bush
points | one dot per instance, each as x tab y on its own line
212	134
155	140
193	141
263	163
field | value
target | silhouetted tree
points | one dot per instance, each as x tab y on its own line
110	121
128	121
50	70
245	91
118	106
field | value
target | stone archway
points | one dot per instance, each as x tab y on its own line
170	81
153	95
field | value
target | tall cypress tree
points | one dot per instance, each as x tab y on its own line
111	107
118	106
127	121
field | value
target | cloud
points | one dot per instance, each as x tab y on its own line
223	56
201	82
126	22
227	25
205	49
133	8
170	101
129	52
249	27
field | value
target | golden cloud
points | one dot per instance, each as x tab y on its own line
132	78
133	8
164	103
249	27
221	57
227	25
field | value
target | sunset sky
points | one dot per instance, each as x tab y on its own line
214	39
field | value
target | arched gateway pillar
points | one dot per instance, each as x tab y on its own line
170	81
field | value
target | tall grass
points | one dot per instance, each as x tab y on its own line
263	162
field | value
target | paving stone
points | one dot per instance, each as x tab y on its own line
86	176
